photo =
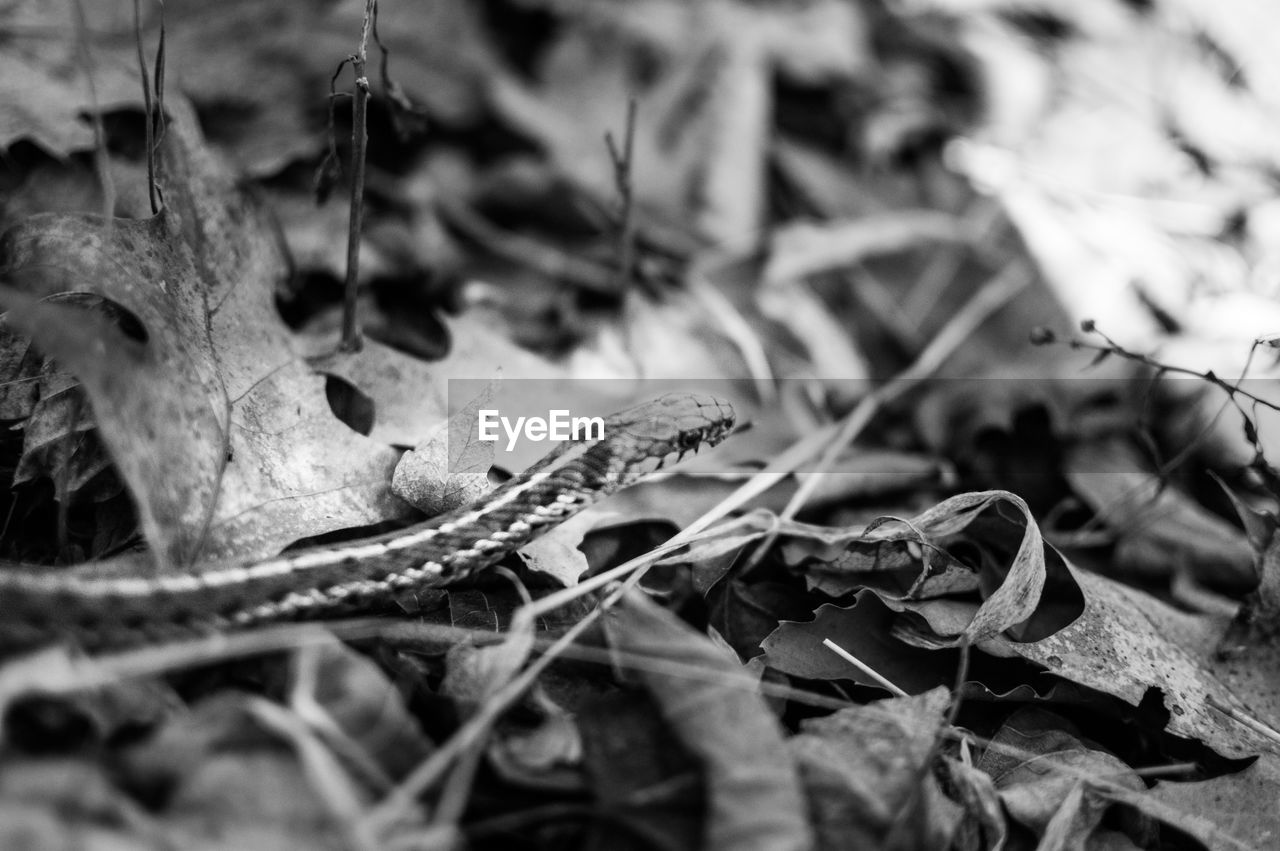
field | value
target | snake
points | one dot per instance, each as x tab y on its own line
102	613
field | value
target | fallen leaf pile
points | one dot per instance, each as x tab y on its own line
990	562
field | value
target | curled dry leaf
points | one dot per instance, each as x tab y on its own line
1015	599
891	544
1125	643
1085	628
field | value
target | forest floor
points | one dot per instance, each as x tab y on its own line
985	561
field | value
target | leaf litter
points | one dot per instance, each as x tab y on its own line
821	192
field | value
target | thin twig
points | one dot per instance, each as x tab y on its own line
407	118
159	118
331	166
457	791
1233	390
863	667
359	143
101	163
1114	348
623	164
962	676
1254	724
149	106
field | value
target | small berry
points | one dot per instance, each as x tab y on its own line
1042	336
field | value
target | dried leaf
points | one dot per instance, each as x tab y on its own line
43	90
1042	772
865	631
475	673
450	468
866	774
60	442
411	396
1229	812
557	554
983	824
217	390
754	795
1126	643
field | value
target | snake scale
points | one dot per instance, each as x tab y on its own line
99	613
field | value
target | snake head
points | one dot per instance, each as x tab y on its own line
644	438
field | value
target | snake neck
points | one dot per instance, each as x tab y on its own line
109	612
106	612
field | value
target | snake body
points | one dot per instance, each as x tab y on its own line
98	612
